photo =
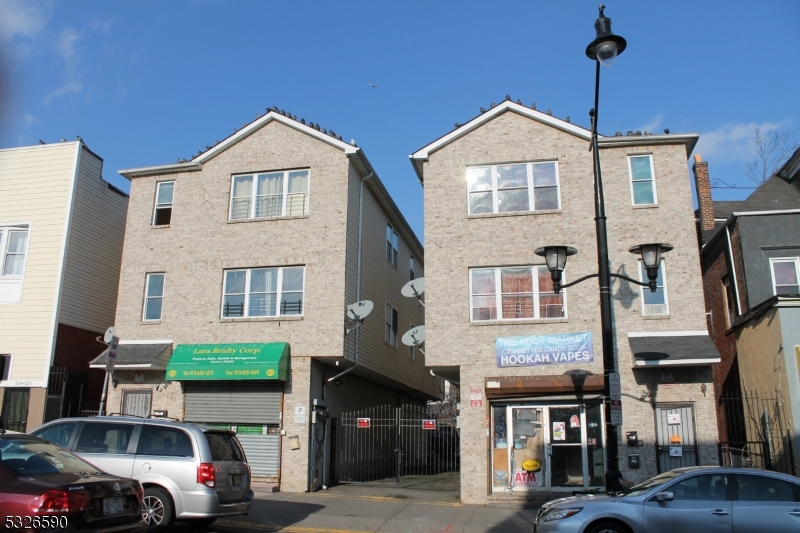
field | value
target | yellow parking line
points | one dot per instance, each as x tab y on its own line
288	529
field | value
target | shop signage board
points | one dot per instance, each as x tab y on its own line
429	424
615	386
247	361
551	349
362	422
616	412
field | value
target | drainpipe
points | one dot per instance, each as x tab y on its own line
358	273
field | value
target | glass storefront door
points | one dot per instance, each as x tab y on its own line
547	447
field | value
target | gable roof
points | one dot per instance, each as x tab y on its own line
421	155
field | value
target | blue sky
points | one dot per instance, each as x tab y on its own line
147	82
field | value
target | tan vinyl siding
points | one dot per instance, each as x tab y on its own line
94	250
34	188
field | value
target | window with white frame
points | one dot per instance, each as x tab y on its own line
390	321
263	292
5	367
154	296
412	352
271	194
513	293
643	185
654	303
13	252
513	188
411	274
162	214
785	275
391	244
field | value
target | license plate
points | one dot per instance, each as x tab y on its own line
113	506
236	480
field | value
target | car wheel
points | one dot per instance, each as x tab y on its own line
198	523
156	510
607	527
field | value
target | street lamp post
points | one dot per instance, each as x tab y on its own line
603	51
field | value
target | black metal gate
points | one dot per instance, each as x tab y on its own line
15	409
403	445
676	438
758	432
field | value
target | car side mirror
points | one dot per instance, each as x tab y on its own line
664	497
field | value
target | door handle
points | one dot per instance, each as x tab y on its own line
720	512
795	512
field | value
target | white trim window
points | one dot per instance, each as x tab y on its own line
654	303
513	188
162	213
263	292
268	195
5	367
643	183
153	296
13	254
390	323
785	275
514	293
392	243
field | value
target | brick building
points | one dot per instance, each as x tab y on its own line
496	188
237	269
750	256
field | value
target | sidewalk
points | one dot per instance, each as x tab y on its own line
360	509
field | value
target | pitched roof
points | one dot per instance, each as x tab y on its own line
421	155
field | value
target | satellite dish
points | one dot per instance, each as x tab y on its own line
414	336
109	335
359	310
413	288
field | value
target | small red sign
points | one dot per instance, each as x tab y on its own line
363	422
476	403
429	424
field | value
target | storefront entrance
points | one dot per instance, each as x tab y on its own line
556	447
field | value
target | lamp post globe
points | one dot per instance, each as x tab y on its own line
606	46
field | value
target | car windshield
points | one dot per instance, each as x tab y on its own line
641	488
30	457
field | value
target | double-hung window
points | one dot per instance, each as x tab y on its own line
643	185
271	194
162	214
512	293
391	321
263	292
391	244
785	275
153	297
513	188
654	303
13	251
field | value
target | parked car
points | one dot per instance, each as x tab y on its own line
705	499
190	473
45	487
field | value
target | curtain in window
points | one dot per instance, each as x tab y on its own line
242	197
517	291
269	195
263	292
297	200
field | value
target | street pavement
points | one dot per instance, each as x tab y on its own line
360	509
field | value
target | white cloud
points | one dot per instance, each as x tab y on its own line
71	87
732	142
20	18
654	123
29	120
66	43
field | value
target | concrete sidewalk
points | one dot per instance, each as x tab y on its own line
339	511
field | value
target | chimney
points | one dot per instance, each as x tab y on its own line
703	184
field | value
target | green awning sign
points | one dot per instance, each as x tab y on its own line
213	362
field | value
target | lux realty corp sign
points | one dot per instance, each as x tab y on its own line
554	349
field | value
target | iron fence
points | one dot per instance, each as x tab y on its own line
759	433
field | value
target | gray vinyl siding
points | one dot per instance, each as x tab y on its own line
351	255
94	250
233	402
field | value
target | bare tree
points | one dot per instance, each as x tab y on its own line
773	148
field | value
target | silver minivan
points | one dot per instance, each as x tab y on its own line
190	473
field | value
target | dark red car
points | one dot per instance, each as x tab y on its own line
44	487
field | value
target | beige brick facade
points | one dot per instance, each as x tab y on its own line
200	243
456	242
